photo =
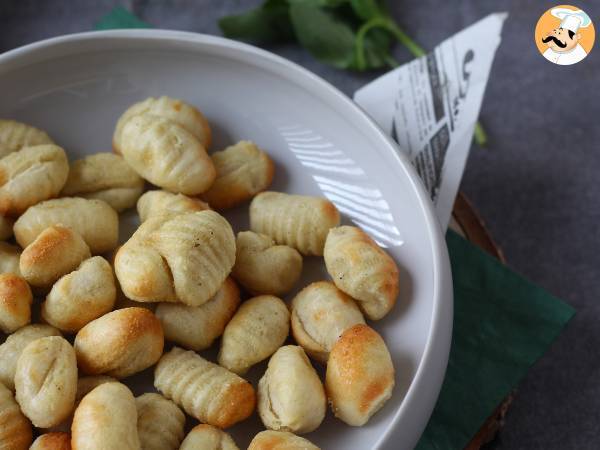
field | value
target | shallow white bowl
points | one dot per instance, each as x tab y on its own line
76	86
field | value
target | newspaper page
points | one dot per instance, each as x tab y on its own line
430	106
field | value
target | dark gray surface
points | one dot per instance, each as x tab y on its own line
536	184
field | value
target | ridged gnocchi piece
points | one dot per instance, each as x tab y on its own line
320	314
243	170
106	419
360	375
360	268
259	327
197	327
166	154
280	440
55	252
291	396
16	135
30	176
15	432
81	296
160	422
52	441
185	258
183	114
46	381
299	221
15	302
14	345
94	220
206	391
6	228
120	343
207	437
156	203
104	176
263	267
9	258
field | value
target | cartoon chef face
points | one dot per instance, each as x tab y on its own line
561	40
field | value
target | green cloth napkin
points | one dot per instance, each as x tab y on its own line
502	325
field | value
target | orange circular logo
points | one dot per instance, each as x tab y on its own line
565	35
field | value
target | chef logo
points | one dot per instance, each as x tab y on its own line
564	35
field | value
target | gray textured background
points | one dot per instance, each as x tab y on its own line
535	186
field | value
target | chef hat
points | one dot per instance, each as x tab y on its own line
571	20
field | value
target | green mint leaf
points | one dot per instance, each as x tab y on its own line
367	9
265	24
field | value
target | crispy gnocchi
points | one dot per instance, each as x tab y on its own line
46	381
81	296
360	268
104	176
16	135
156	203
206	391
55	252
9	258
30	176
320	314
120	343
299	221
105	419
15	302
160	422
166	154
360	375
291	396
280	440
207	437
258	328
185	258
197	327
243	170
52	441
15	432
11	349
263	267
94	220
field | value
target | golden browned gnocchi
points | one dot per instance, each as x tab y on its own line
106	419
160	422
14	345
183	114
55	252
46	381
94	220
104	176
166	154
280	440
361	269
290	394
6	228
196	327
81	296
16	135
204	390
243	170
320	314
299	221
15	432
9	258
258	328
15	302
360	375
263	267
120	343
207	437
155	203
52	441
185	258
30	176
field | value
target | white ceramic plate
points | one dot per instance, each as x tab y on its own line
75	87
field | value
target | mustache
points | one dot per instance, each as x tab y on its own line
555	40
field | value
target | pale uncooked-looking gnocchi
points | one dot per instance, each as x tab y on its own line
16	135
